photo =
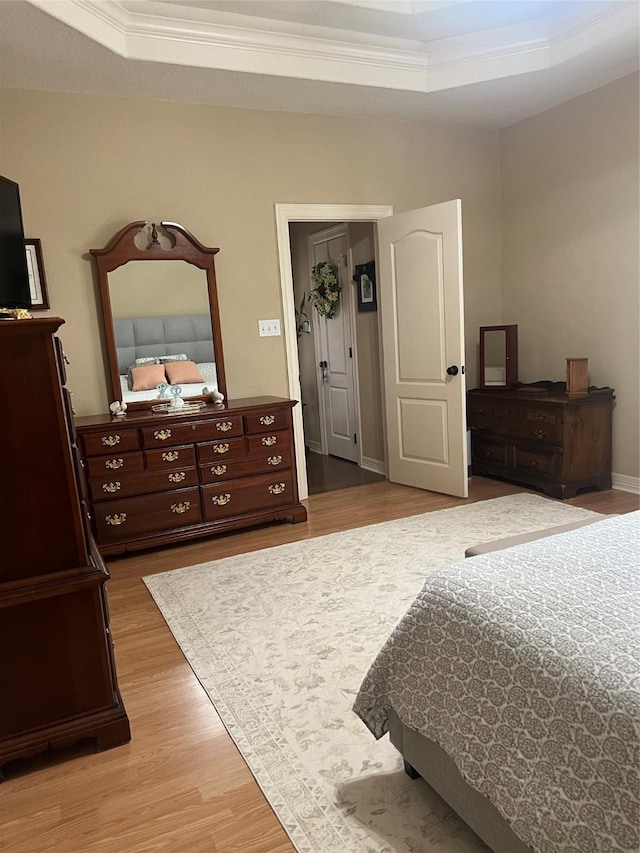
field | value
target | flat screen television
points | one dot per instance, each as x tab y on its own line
14	275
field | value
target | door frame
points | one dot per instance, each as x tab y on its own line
286	213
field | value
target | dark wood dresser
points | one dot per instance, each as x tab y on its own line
156	478
539	436
57	670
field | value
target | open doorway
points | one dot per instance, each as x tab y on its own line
339	359
419	253
307	213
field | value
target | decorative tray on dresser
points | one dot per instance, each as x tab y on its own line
160	478
538	435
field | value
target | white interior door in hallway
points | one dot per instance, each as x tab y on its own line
334	352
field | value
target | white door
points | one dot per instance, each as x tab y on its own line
421	307
334	350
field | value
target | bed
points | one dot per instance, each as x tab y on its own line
154	337
512	686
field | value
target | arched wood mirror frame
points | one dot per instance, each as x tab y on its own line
122	249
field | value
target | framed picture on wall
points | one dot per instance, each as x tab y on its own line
37	280
365	279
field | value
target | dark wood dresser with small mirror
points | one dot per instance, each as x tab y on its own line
57	666
155	478
538	435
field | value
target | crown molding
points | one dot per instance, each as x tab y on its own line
179	35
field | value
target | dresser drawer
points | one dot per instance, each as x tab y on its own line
544	415
251	494
485	450
547	433
545	463
266	421
102	465
128	518
218	469
111	440
216	450
169	457
479	408
191	431
122	485
272	441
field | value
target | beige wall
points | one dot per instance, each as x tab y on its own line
570	226
158	289
88	165
362	245
301	270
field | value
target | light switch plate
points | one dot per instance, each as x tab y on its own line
268	328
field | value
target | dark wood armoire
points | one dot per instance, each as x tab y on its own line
57	670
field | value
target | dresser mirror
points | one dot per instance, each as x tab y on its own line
161	317
498	357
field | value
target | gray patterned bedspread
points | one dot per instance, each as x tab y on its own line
523	665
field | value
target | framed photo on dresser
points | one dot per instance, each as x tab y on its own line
37	279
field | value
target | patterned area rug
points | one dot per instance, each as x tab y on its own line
281	639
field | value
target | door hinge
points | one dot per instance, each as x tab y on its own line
355	438
350	353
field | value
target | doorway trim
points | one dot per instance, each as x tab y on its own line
286	213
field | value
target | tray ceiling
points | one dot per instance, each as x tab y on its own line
475	61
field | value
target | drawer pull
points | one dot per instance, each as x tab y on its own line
111	487
162	434
274	460
269	440
114	464
177	477
276	488
181	508
170	456
220	448
481	425
539	434
110	440
533	463
224	426
219	470
267	420
221	500
117	519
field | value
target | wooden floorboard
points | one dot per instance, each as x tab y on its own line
181	785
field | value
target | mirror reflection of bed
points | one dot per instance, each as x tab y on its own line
161	318
161	314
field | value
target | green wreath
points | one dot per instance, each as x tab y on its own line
325	290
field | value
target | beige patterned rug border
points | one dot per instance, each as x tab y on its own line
274	634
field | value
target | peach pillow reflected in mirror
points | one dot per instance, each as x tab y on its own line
147	377
182	372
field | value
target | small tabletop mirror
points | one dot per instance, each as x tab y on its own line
498	357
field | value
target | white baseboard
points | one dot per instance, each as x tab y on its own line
375	465
624	483
314	446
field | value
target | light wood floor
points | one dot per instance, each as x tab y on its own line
181	785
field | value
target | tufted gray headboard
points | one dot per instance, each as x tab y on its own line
140	337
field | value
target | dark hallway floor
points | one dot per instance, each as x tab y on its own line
328	474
